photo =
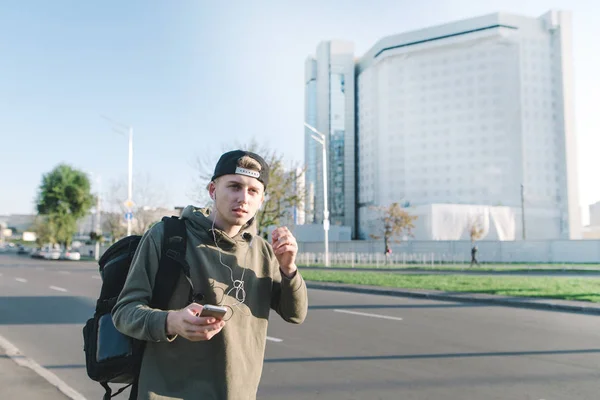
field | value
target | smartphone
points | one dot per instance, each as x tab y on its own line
209	310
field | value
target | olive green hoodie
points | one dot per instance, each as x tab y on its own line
228	366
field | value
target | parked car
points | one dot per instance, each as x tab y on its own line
70	255
22	250
38	253
52	255
46	254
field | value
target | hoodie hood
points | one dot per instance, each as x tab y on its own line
199	222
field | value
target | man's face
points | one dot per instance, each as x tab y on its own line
237	198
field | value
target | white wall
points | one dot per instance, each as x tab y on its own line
556	251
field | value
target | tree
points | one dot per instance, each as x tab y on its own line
148	197
64	197
113	223
44	230
393	221
475	230
283	193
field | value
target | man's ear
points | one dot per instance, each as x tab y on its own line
212	188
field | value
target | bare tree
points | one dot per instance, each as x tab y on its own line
393	221
149	199
114	224
283	192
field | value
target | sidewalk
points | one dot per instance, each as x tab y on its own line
17	382
583	307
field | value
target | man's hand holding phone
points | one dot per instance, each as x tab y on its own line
194	325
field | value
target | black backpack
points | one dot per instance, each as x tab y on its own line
112	357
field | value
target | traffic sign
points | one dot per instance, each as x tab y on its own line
128	216
129	204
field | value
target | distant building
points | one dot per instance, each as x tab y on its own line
461	113
329	107
592	231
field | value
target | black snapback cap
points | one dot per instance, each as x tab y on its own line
228	165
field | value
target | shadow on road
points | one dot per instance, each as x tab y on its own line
21	310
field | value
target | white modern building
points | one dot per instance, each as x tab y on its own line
592	231
476	113
595	214
330	108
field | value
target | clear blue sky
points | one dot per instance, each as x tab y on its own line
193	77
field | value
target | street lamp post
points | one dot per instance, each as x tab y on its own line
129	202
130	182
320	138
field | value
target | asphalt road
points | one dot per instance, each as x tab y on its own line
352	346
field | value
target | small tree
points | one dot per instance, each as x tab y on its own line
475	231
64	197
393	221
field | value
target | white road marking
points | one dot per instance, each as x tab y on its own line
58	288
21	280
369	315
274	339
96	277
23	361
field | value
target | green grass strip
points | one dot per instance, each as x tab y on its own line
566	288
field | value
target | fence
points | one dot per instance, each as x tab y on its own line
445	252
440	252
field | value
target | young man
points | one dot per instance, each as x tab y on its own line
192	357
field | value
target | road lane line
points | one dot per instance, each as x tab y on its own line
369	315
96	277
23	361
273	339
21	280
57	288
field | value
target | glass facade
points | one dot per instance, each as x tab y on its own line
337	115
311	150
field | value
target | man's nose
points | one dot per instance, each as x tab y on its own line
244	196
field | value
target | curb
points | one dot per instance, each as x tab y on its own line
521	302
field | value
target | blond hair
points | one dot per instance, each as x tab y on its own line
249	163
244	162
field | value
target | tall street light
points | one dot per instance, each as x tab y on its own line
320	138
129	201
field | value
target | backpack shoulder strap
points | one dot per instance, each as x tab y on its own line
172	261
